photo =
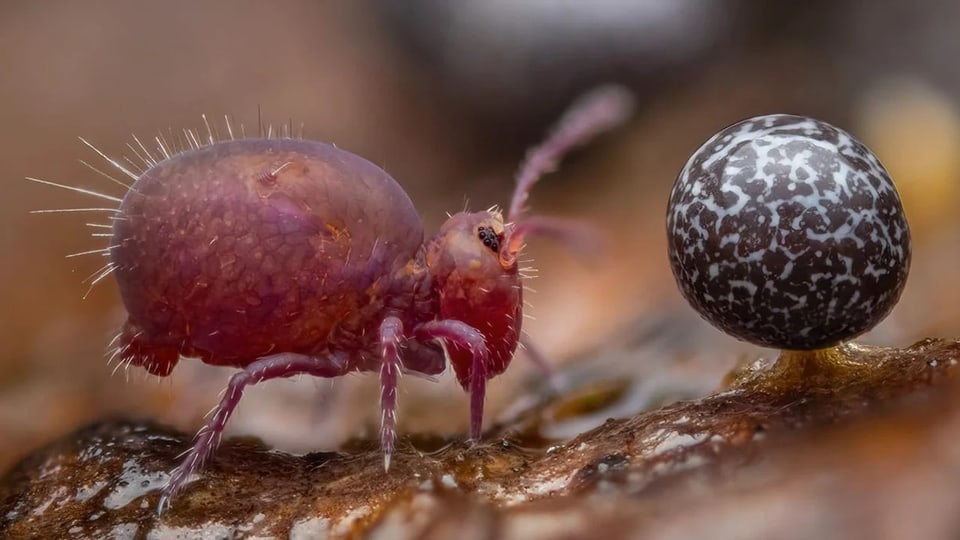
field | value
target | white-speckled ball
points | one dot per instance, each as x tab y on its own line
787	232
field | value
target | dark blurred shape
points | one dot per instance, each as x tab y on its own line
515	61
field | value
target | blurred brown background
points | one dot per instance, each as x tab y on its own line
446	97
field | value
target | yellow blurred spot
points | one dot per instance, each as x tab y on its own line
915	131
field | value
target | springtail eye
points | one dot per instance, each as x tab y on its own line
489	238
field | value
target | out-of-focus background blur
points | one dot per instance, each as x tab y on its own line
446	96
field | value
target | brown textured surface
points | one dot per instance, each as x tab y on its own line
735	464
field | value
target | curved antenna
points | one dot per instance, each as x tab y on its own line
597	111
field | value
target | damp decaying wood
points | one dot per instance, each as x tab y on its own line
792	450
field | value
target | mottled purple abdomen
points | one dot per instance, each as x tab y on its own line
787	232
244	248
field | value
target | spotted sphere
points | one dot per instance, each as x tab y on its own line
787	232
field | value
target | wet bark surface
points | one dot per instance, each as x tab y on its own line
804	447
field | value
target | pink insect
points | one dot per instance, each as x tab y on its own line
283	257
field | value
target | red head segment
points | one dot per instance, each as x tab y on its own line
473	259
